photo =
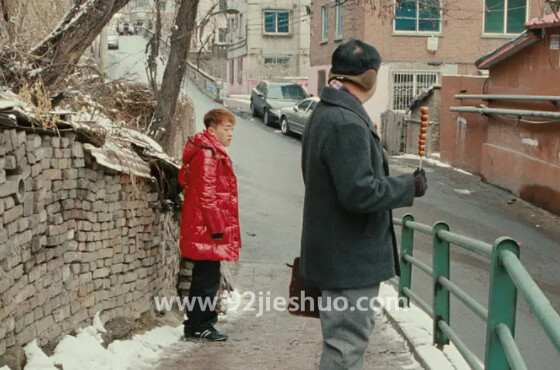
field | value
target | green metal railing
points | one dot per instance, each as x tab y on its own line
507	277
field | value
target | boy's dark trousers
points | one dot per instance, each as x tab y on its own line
204	287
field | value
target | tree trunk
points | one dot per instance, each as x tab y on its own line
174	70
9	10
153	52
59	53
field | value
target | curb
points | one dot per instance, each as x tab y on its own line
418	335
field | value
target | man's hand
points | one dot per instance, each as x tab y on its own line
420	182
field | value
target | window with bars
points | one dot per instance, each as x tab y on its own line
505	16
418	16
407	84
276	22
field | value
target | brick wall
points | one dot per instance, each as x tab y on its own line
353	20
460	42
433	102
75	240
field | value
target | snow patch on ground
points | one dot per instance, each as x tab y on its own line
463	191
417	327
432	161
85	351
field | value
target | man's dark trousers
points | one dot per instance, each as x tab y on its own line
204	286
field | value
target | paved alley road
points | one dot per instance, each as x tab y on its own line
271	197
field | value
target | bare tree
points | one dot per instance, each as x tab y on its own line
153	51
59	53
202	45
200	32
174	70
385	9
9	10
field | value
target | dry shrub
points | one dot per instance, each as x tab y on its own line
129	103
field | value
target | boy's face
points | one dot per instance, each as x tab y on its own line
223	132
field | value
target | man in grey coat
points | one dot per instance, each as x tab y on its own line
348	242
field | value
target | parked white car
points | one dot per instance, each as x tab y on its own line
112	39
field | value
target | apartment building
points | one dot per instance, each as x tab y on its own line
419	40
267	39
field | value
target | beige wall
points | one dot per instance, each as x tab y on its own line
249	43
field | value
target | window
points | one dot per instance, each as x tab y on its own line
222	32
418	16
294	92
325	23
505	16
313	106
303	105
231	71
222	5
338	24
408	84
277	22
239	70
240	28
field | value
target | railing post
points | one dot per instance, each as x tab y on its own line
441	294
407	242
502	305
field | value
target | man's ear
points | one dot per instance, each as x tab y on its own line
211	130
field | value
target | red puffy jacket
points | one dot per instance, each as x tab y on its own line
210	216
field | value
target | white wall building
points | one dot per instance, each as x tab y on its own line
267	39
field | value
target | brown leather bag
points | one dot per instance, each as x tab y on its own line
298	289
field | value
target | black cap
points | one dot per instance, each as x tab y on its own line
355	57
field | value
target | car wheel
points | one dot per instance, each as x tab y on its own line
253	110
266	118
284	126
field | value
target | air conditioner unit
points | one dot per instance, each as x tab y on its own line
433	44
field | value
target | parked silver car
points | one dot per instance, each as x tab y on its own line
293	119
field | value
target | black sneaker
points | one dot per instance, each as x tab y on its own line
208	334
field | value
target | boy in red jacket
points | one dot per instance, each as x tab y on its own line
210	219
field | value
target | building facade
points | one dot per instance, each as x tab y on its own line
419	40
211	27
267	39
517	151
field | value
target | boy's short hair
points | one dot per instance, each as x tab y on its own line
218	117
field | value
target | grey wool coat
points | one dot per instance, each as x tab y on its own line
348	239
